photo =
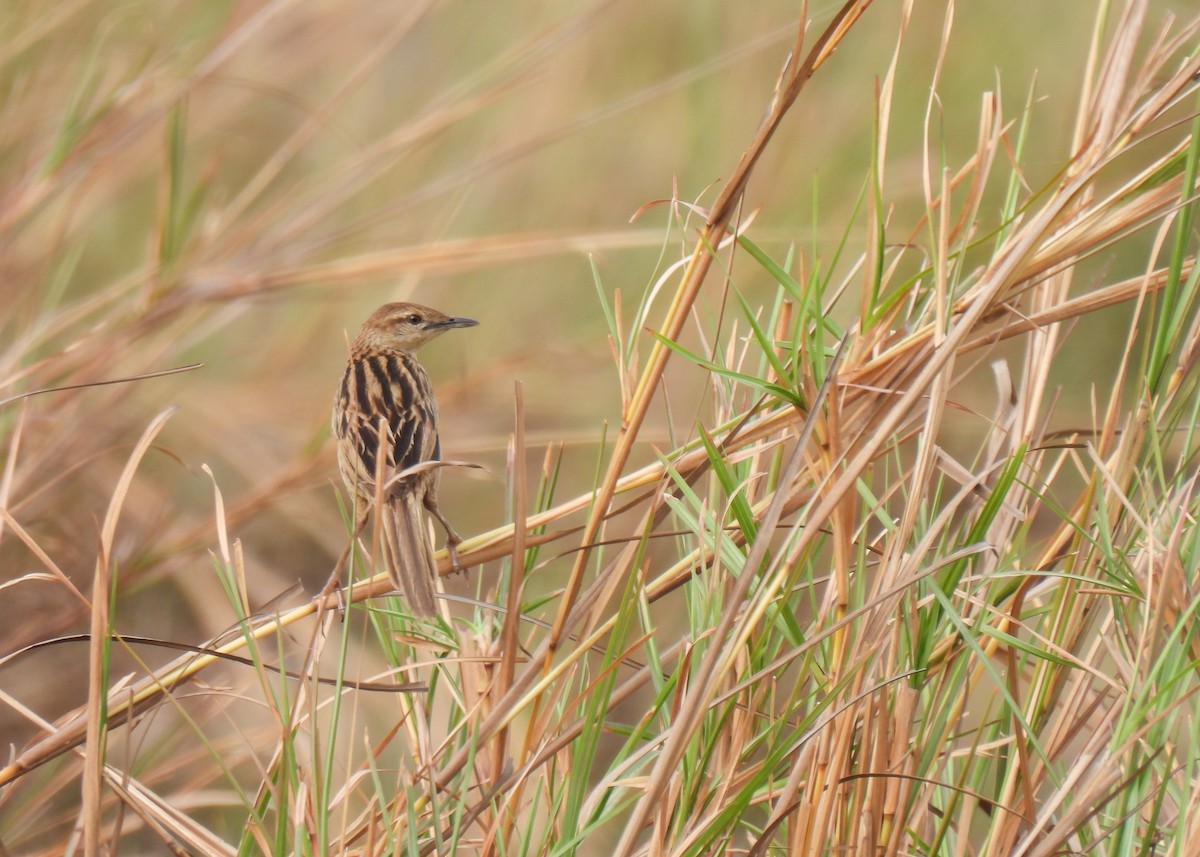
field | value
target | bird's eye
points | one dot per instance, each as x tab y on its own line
414	319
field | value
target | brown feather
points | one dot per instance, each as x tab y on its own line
385	404
409	553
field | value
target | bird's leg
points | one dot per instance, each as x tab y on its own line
453	539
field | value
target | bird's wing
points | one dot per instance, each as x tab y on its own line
391	390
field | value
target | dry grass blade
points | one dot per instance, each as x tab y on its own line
716	659
97	715
142	377
168	821
787	91
510	632
892	550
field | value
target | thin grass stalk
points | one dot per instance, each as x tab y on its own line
1060	614
509	634
702	683
787	90
97	713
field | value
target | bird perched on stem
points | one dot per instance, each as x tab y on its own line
385	403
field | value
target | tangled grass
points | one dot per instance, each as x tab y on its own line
867	592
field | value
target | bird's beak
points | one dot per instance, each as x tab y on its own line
456	321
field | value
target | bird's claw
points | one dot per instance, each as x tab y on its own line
452	550
339	595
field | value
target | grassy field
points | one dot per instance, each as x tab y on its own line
832	423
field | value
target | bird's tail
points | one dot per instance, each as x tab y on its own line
409	552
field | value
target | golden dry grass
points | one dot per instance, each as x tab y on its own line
890	547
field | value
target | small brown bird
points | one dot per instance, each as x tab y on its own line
385	402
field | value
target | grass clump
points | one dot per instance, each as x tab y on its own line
866	561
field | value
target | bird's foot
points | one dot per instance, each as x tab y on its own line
452	549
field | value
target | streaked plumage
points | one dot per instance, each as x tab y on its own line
385	404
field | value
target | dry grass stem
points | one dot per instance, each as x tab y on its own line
892	550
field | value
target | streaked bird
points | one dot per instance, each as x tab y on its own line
385	419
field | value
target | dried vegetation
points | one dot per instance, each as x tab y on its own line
869	594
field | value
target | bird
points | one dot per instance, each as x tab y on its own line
385	404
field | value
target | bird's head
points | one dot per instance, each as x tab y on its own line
406	327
